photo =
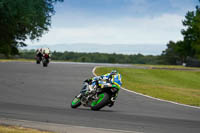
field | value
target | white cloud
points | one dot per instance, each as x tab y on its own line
147	30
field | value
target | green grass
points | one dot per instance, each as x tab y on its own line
14	129
24	60
167	66
178	86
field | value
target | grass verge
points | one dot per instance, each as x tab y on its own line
168	66
24	60
178	86
15	129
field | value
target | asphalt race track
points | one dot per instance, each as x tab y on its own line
30	92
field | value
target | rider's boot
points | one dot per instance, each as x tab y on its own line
111	102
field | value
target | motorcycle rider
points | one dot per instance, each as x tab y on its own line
112	79
46	51
39	53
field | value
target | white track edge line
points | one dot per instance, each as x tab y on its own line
93	71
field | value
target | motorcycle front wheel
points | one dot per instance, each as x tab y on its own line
76	102
37	62
45	64
102	101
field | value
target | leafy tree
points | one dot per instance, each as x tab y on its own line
190	46
176	51
192	32
22	19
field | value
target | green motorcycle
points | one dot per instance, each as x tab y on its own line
96	97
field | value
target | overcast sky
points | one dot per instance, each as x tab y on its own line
117	22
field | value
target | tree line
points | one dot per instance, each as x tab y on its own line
188	48
23	19
96	57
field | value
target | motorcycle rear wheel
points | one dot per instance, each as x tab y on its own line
102	101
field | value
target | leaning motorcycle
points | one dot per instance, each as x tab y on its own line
45	60
97	98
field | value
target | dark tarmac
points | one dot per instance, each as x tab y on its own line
31	92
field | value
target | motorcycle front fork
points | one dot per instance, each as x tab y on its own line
79	95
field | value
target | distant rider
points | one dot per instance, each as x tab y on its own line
39	53
112	79
46	51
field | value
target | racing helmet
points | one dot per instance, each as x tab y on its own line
113	72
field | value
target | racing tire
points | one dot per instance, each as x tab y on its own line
76	102
45	64
37	62
102	101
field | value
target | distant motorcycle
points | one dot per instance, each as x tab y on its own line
95	98
45	60
38	58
